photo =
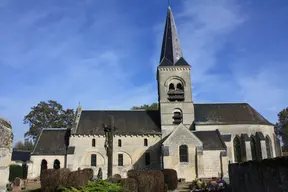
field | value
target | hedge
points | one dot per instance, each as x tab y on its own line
15	171
148	181
171	179
129	185
51	179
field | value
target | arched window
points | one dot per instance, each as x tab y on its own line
119	143
147	158
171	86
179	86
268	147
183	153
94	160
253	148
120	159
56	164
145	142
93	142
237	149
43	165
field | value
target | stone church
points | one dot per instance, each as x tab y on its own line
197	140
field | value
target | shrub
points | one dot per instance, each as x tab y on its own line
148	181
170	178
100	186
129	185
79	178
15	171
52	178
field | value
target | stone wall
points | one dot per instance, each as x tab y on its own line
263	176
132	148
6	141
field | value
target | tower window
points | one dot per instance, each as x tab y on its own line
145	142
147	159
119	143
176	94
177	116
120	159
171	86
180	87
183	153
93	142
93	160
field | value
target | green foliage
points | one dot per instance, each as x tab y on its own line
47	115
153	106
15	171
100	186
27	145
281	128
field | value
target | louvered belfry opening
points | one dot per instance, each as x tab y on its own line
176	93
177	116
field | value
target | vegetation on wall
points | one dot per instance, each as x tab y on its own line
48	114
281	128
153	106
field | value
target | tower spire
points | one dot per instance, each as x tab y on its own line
171	51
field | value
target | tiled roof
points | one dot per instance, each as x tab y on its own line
226	138
18	155
211	140
125	122
228	113
51	141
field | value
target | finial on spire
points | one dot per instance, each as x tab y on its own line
169	3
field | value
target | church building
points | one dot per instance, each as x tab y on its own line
197	140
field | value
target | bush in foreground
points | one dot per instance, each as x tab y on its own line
100	186
52	178
148	181
129	185
171	179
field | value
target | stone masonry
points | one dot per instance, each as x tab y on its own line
6	140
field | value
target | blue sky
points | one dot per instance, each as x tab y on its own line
104	53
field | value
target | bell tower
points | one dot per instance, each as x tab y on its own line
174	81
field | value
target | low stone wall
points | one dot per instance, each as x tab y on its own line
6	141
260	176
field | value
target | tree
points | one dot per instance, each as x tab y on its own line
27	145
281	128
48	114
153	106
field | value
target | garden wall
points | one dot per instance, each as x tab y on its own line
269	175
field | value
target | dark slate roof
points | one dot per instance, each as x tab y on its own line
211	140
226	138
18	155
70	150
171	50
228	113
125	122
51	142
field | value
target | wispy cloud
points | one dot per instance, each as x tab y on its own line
103	54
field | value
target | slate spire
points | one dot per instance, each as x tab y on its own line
171	51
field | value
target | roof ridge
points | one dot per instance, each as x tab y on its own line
220	103
112	110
